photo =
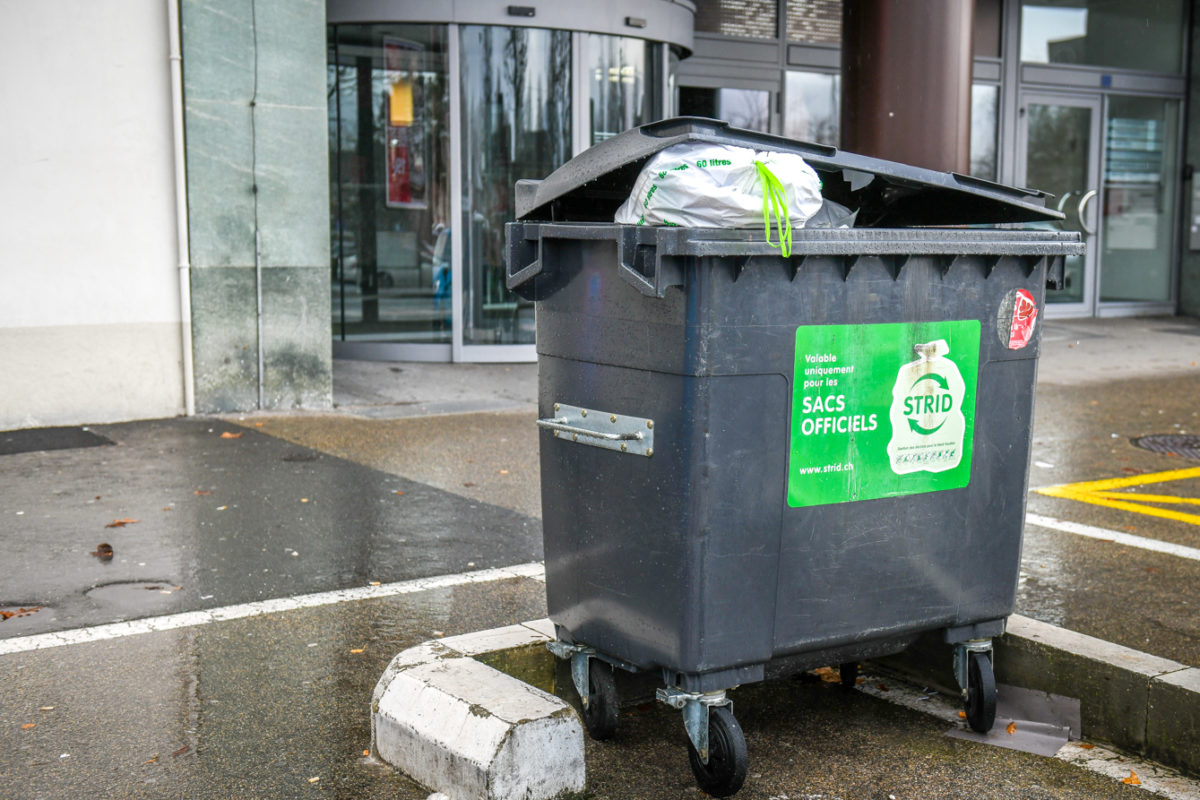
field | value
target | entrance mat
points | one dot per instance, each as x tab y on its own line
32	440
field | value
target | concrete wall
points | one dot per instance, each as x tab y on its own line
1189	268
258	159
89	299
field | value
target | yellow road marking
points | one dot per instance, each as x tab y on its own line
1101	493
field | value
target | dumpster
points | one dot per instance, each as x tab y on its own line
755	464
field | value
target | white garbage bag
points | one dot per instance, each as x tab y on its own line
700	185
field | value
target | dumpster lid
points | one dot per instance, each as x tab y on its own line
591	186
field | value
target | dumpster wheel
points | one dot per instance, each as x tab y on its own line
725	771
981	693
600	711
848	674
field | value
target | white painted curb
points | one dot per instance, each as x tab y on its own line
461	728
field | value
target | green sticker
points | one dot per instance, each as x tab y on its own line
882	410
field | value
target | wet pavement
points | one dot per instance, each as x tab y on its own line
408	480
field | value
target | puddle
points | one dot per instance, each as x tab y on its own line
135	597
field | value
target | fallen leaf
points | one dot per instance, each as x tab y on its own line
366	752
882	687
374	583
1093	402
503	472
314	780
167	508
397	492
258	424
468	485
28	726
230	435
103	551
303	499
181	751
201	492
1132	780
152	759
962	715
827	674
1011	729
121	523
1087	746
357	649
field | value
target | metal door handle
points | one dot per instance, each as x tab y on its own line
1082	206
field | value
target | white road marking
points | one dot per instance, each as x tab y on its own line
1104	534
189	619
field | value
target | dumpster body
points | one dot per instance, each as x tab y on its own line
754	464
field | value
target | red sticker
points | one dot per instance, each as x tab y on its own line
1024	315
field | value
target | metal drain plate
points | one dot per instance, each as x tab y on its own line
1174	444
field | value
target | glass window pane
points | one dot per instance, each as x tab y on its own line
1122	34
812	109
1058	161
985	105
751	19
814	21
741	108
390	144
625	84
516	122
1140	174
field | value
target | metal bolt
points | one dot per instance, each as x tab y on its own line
623	447
583	412
649	423
612	417
649	451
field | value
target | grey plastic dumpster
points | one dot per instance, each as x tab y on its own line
754	464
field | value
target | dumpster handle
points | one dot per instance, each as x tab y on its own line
560	424
621	432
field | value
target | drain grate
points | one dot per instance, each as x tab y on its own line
1173	444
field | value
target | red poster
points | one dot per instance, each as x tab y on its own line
404	124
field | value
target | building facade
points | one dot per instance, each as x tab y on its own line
205	203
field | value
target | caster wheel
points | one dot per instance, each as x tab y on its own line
725	771
600	713
981	693
849	673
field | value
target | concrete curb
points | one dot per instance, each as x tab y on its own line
454	724
1138	702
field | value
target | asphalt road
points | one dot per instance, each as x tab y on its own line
394	489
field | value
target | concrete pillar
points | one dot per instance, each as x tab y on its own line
906	81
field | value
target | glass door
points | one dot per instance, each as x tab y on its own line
1058	145
1140	188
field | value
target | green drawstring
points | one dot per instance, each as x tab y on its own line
775	200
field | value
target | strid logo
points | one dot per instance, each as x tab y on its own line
926	413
